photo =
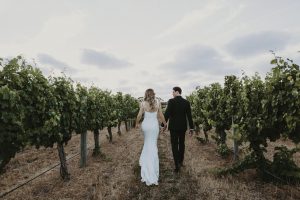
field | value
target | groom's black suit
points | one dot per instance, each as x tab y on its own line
178	112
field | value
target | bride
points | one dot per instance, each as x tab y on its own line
153	116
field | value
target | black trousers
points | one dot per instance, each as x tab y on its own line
177	141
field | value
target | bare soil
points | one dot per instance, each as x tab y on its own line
115	174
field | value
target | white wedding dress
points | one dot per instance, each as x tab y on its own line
149	158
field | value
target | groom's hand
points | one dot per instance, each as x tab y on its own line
161	130
164	128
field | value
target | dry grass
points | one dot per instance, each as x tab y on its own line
115	174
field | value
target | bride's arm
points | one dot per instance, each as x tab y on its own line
161	116
139	116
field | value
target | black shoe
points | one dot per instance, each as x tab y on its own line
177	168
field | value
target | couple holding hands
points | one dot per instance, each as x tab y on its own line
179	117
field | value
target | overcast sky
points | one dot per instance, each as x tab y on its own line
132	45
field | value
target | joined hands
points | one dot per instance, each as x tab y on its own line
164	127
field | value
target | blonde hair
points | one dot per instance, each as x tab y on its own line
150	98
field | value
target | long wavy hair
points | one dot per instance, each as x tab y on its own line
150	98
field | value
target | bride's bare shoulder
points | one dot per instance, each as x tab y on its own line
145	102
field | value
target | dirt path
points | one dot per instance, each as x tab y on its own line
116	174
171	185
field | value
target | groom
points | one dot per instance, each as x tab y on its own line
178	112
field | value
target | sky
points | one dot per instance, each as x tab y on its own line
132	45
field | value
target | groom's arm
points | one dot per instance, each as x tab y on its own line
168	110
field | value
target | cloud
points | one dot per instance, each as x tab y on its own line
257	43
49	60
102	60
123	82
199	58
126	89
191	19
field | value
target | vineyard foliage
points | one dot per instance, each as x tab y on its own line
41	111
260	111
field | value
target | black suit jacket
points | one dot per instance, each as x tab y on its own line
178	112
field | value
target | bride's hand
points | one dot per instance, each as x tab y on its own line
137	126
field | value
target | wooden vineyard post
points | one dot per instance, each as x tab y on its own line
63	163
129	124
96	140
119	128
126	125
83	150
